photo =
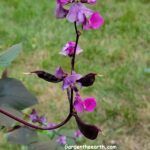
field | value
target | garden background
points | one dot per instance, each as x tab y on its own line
118	51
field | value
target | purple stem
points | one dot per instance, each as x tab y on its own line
73	62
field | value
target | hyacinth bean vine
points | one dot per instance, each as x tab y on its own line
76	12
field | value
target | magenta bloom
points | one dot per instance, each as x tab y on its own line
89	1
70	80
77	134
82	15
68	49
61	140
94	22
89	104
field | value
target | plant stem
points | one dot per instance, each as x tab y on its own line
73	63
34	126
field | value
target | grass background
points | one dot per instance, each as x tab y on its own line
119	51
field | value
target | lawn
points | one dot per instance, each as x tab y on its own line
118	51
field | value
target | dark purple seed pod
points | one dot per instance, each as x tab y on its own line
89	131
47	76
87	80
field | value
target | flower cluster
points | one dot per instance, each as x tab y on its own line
35	118
79	13
61	139
88	104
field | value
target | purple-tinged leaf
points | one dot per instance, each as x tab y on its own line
87	80
14	94
89	131
47	76
23	136
7	121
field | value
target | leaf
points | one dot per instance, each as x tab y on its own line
23	136
47	76
7	121
48	133
7	57
89	131
14	94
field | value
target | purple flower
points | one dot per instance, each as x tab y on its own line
34	116
42	120
70	80
78	104
61	140
60	11
78	12
82	15
88	104
59	73
68	49
63	2
94	22
89	1
77	134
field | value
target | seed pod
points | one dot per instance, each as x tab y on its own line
89	131
47	76
87	80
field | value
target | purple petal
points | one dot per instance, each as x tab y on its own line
78	12
77	134
68	49
42	120
61	140
89	104
96	20
91	1
78	105
59	73
60	12
63	2
34	116
70	80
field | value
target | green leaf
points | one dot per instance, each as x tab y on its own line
50	134
7	121
22	136
7	57
14	94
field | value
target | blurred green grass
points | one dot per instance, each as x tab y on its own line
119	51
